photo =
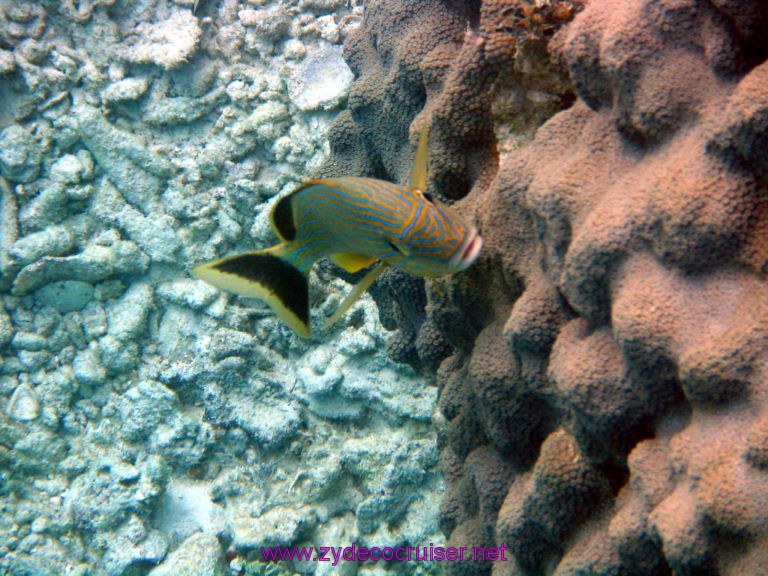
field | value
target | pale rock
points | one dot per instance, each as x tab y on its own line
145	407
87	367
328	28
198	555
95	263
168	43
264	121
20	155
187	292
24	405
138	172
183	109
355	342
133	545
118	356
67	169
279	526
7	62
268	23
322	5
125	90
271	425
321	81
155	233
294	49
94	319
318	384
51	241
127	318
29	341
237	91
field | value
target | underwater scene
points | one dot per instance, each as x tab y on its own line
383	287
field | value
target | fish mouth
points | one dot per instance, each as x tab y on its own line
467	252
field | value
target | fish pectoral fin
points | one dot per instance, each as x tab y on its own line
399	246
352	262
356	293
267	277
418	179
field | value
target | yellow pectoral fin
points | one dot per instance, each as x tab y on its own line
267	277
356	292
352	262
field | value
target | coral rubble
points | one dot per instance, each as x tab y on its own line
150	424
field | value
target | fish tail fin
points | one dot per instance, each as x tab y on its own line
268	276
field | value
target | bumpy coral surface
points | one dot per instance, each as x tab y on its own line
604	407
441	62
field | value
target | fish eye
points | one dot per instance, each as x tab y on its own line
428	197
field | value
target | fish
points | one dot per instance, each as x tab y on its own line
357	222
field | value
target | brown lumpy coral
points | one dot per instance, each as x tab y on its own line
441	62
604	405
563	489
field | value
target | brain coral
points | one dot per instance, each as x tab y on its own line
604	408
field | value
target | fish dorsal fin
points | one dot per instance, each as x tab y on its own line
356	292
418	179
352	262
282	217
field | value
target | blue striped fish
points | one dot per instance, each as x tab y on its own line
357	222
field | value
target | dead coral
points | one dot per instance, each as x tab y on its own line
82	12
169	43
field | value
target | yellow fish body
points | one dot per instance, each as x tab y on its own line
357	222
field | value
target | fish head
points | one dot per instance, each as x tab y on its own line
438	242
